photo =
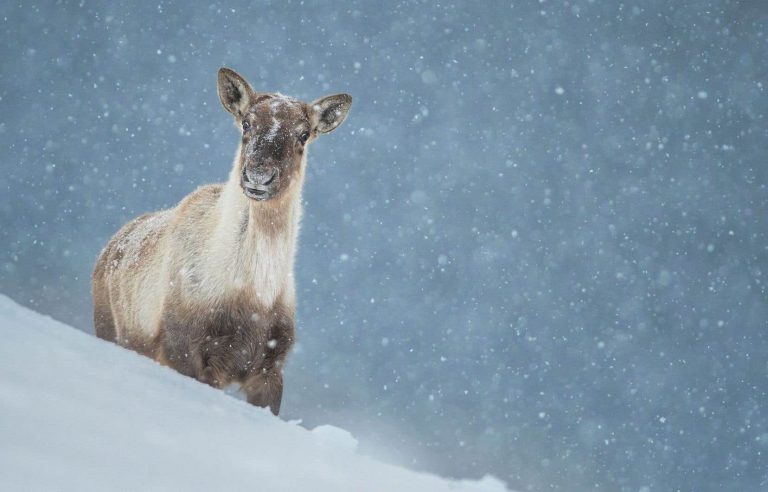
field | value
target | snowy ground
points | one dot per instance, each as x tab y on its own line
77	413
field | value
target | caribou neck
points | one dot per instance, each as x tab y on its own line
259	239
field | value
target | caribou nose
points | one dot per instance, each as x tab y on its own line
259	176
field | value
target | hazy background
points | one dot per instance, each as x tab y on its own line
536	248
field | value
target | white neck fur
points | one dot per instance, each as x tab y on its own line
257	259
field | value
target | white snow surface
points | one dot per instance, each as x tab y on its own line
79	413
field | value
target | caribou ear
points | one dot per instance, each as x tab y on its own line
234	91
330	111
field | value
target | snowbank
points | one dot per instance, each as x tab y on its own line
77	413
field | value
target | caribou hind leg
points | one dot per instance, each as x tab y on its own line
104	324
103	320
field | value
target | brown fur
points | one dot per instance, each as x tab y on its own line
206	288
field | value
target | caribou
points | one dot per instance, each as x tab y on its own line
207	287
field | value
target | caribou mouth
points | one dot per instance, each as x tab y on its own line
258	192
255	188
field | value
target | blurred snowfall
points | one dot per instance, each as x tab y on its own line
536	248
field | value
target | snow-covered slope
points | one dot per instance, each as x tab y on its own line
77	413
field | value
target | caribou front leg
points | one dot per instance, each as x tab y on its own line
265	389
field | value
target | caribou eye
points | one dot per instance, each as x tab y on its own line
304	137
246	125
